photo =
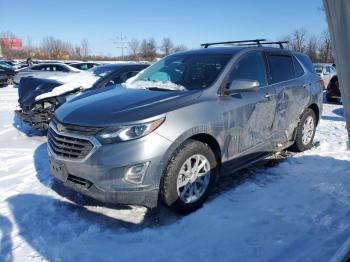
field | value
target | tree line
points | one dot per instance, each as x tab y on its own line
55	48
317	47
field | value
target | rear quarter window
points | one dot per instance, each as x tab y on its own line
281	68
306	62
299	71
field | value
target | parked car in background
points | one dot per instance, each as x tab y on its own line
84	65
45	70
333	91
9	62
174	127
326	72
7	73
39	98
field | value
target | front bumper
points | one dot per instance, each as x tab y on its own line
38	120
101	175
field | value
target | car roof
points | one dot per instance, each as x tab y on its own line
231	50
81	63
121	65
48	64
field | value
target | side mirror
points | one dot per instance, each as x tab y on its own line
242	85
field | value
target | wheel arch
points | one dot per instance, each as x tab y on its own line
314	107
211	142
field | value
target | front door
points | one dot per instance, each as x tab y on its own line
249	115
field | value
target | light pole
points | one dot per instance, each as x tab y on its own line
120	43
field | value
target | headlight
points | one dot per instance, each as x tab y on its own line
124	133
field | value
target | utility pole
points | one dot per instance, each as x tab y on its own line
120	43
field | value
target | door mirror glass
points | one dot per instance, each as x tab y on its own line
242	85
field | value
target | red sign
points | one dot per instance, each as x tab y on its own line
12	43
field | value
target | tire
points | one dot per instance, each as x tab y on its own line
331	100
10	81
175	197
301	142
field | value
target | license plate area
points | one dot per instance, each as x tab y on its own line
58	170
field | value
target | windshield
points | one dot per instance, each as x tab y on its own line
181	72
318	69
5	65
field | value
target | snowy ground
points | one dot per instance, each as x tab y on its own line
288	208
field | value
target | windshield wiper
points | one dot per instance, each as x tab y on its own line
161	89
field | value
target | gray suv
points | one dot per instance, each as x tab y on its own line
170	131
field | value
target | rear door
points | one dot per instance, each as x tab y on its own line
249	115
287	76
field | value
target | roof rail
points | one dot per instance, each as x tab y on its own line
253	41
258	42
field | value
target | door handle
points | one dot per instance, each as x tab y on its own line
268	96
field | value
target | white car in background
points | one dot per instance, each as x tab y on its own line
45	70
326	72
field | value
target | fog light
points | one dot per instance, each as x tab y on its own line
136	173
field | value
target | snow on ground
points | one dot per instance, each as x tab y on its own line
287	208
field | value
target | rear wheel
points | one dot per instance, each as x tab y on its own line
189	177
305	131
331	99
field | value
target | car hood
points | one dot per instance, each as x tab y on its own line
82	81
31	87
119	105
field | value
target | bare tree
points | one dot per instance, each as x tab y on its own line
325	49
152	49
167	46
85	48
312	48
56	48
134	47
77	52
298	40
148	49
179	48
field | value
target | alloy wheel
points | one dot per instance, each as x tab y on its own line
193	178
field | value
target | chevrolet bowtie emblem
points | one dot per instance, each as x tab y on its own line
60	127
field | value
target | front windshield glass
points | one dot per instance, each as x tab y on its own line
181	72
318	69
5	65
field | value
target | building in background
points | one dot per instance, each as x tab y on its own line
12	43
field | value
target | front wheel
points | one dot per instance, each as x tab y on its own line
305	131
189	177
10	81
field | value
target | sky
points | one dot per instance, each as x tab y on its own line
188	22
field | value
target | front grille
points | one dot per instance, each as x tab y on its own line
68	147
81	130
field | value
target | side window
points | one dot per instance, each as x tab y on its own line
127	75
250	67
60	68
36	68
121	78
299	71
281	68
328	69
84	67
45	68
